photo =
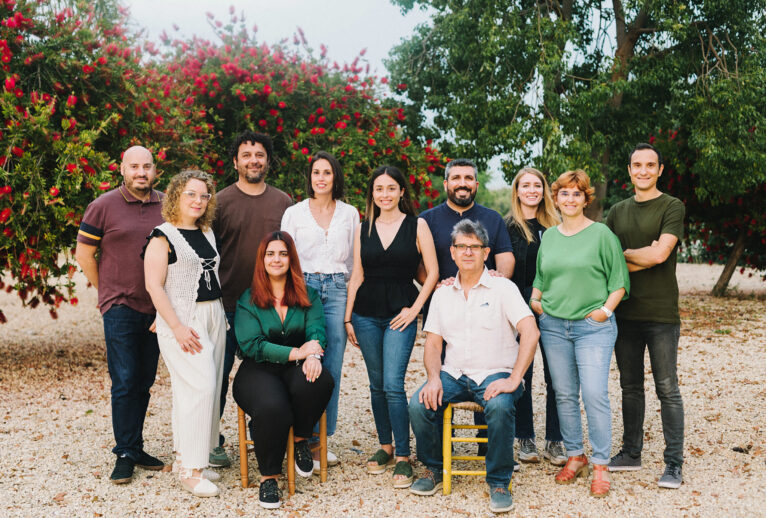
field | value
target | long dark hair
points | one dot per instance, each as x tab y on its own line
405	203
295	288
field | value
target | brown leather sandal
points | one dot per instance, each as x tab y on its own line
599	487
567	475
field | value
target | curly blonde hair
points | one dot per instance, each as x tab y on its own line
173	194
577	178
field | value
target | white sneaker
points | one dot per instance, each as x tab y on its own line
206	473
332	460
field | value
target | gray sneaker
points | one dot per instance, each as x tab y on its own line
528	451
555	453
428	484
624	462
672	478
218	458
500	500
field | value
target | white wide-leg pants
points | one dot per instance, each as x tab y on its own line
196	384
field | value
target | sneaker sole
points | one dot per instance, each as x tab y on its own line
216	464
150	468
270	505
669	485
532	459
560	461
121	480
304	474
433	491
623	468
501	509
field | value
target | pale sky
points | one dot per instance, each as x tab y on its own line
344	26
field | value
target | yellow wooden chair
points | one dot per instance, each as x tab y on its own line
246	447
449	440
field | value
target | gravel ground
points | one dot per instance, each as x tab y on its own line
56	429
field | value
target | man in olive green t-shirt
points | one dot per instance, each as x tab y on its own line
649	226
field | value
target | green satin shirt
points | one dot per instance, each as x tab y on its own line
262	335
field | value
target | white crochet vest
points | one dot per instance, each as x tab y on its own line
182	279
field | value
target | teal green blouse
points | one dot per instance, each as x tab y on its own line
263	336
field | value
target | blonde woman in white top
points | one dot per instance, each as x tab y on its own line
181	272
323	229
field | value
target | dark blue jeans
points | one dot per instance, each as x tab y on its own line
131	355
662	341
524	414
386	354
500	413
228	363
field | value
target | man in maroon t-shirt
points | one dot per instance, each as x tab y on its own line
116	224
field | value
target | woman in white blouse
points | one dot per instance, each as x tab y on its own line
323	229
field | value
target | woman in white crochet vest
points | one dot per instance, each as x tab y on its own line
181	270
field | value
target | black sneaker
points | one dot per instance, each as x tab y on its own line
624	462
146	461
269	494
304	462
672	477
123	470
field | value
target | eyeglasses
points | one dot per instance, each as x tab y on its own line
193	195
463	248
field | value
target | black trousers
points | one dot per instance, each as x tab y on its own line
276	397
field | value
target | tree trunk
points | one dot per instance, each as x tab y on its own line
723	281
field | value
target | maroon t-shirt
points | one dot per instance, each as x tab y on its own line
118	223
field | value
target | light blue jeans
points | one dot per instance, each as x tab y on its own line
332	292
579	353
386	354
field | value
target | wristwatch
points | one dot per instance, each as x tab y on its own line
608	311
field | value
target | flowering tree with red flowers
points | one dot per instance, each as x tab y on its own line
73	96
302	101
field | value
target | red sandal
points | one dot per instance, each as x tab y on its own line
599	487
567	475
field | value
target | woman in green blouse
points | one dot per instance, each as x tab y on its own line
280	328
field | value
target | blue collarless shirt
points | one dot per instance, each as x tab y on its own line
441	219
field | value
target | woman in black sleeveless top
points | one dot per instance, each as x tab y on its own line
382	309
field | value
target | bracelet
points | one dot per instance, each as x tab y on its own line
318	357
607	311
532	299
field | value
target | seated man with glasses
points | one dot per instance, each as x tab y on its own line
479	317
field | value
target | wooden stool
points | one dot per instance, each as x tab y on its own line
246	446
449	440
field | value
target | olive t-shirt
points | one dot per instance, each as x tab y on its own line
240	223
654	291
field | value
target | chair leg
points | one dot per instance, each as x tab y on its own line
291	462
243	471
447	451
323	448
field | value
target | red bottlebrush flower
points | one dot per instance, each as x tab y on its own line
320	111
401	86
159	120
321	119
295	146
54	191
71	100
371	141
5	189
273	112
429	183
8	232
431	169
262	123
312	118
4	215
340	125
412	179
88	170
122	132
349	88
282	104
102	60
71	167
104	186
87	69
384	80
112	167
357	115
434	194
267	89
17	151
162	155
305	150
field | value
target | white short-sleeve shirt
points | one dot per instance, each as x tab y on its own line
320	250
480	331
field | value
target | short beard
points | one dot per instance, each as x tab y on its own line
255	177
461	202
142	190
